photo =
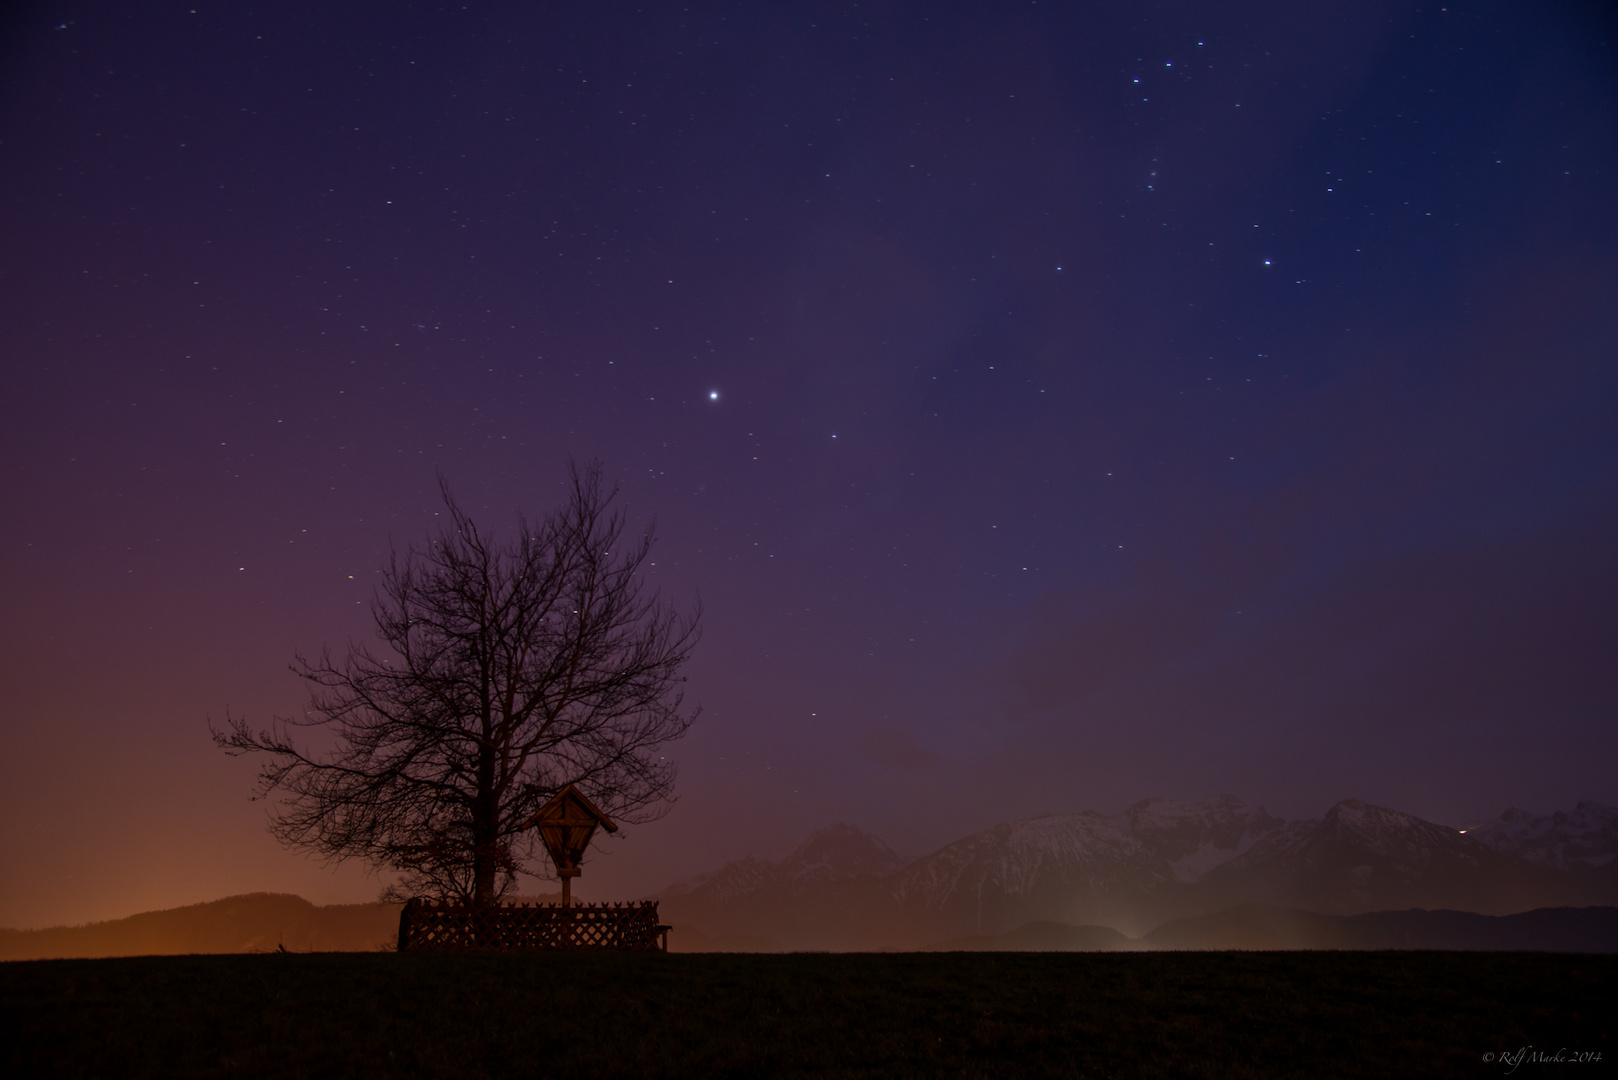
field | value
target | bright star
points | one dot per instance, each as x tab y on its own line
713	395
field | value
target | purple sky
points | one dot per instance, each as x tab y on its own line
1112	401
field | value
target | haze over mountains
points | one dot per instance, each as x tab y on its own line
1160	874
1155	862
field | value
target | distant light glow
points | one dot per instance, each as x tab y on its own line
713	395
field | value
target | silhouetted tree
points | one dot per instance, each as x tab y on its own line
510	670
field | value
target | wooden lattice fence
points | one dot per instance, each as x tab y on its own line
435	926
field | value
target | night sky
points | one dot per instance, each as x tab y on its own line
1053	404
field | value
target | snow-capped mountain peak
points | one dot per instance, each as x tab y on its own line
838	852
1151	844
1392	835
1586	836
1193	838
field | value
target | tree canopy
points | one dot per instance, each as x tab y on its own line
506	670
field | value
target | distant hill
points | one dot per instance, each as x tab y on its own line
1265	927
1260	926
258	922
1041	937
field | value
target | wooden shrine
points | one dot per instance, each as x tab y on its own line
566	824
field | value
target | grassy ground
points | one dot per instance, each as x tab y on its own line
861	1015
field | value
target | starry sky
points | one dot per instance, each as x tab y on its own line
1052	404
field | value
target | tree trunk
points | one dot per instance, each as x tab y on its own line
485	832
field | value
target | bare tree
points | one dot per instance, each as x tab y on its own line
511	670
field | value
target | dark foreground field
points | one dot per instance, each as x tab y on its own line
870	1015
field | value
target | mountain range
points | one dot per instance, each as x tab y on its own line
1156	862
1160	874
